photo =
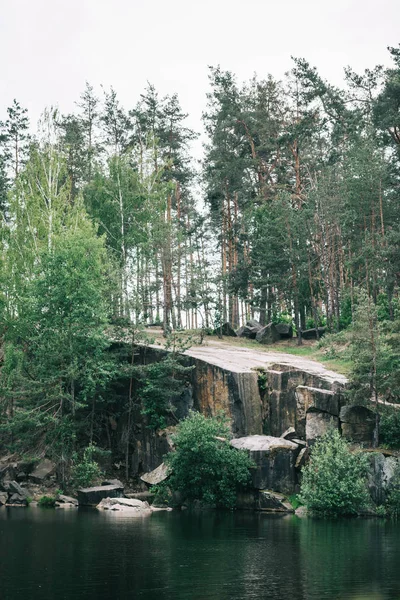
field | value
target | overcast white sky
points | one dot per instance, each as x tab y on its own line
49	48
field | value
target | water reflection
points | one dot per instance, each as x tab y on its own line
87	555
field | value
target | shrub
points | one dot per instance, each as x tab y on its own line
47	502
390	428
334	481
84	472
204	466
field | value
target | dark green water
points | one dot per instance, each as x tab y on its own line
90	555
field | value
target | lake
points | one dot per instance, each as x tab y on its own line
91	555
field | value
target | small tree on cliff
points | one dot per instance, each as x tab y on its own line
204	466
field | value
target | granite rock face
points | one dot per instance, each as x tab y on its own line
358	423
43	470
275	460
235	393
259	397
318	423
381	471
92	496
150	448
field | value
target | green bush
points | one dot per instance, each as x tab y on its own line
390	428
87	470
162	494
334	481
204	466
47	502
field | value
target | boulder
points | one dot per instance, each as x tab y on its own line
274	459
92	496
150	448
157	476
62	499
301	443
380	473
253	323
285	330
42	471
15	488
267	334
128	505
8	470
141	495
358	423
302	458
226	329
263	500
311	397
274	502
301	511
3	498
17	500
249	330
116	482
289	434
318	423
311	334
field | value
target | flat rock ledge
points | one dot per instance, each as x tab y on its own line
135	508
262	443
92	496
274	459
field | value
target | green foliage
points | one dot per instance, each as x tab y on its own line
162	494
295	501
369	353
162	382
204	466
159	384
56	350
47	501
390	428
346	313
334	481
85	470
262	380
282	317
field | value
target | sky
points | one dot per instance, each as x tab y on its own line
50	48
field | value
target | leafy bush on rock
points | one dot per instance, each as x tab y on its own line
84	472
204	466
334	481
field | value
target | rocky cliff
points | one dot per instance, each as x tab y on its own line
260	392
